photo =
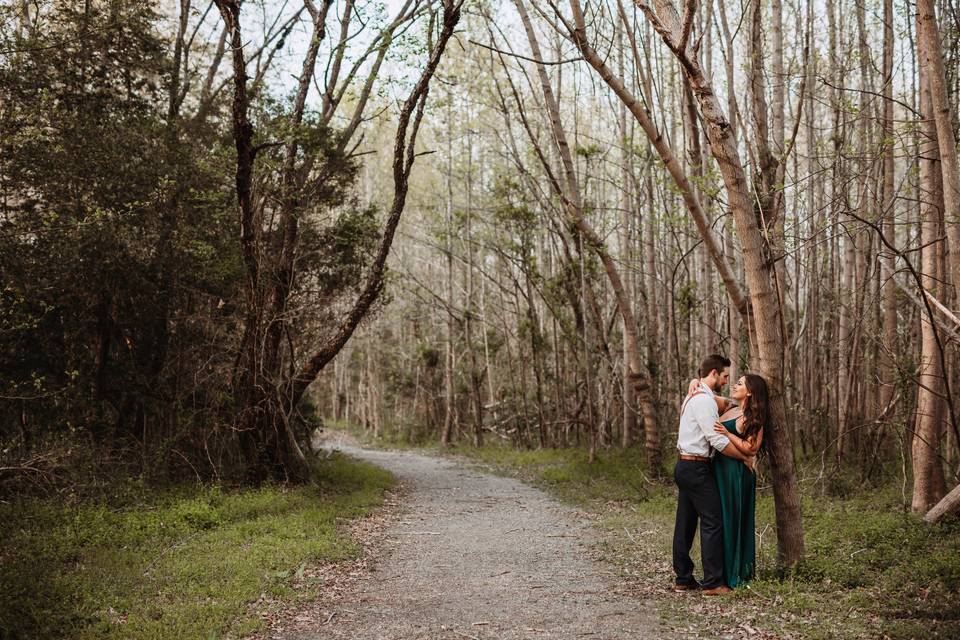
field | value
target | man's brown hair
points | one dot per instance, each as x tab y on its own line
711	362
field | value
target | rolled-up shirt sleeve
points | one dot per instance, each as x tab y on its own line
705	415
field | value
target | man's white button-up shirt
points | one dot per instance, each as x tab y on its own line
696	436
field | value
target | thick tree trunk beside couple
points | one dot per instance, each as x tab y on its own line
759	268
763	312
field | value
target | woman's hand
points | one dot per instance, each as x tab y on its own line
719	428
693	386
751	463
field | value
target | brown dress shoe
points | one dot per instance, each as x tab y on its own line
718	591
686	587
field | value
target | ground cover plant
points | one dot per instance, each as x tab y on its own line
191	561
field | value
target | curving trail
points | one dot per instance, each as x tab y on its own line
479	556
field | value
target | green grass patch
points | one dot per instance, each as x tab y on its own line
871	569
184	562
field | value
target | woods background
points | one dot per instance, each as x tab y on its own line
594	196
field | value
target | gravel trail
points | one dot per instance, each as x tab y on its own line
478	556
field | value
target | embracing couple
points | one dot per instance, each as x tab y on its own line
718	442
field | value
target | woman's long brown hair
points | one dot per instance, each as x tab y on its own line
756	415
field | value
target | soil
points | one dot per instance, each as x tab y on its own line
466	554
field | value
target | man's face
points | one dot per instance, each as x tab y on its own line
721	378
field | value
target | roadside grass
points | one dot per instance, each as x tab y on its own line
183	562
871	569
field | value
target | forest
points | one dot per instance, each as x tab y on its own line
228	228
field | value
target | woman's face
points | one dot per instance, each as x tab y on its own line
739	391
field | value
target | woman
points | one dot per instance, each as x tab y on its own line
743	425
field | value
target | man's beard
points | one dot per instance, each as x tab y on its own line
717	386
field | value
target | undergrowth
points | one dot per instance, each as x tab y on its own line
187	561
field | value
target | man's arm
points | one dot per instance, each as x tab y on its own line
722	403
705	415
725	404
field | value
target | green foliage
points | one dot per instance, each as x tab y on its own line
430	355
114	219
687	300
188	562
123	290
342	249
588	151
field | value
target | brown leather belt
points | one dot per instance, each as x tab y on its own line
685	456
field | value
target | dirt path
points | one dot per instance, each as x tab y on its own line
478	556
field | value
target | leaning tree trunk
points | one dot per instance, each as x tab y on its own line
404	154
576	31
638	375
758	268
949	504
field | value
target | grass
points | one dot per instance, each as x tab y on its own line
185	562
871	569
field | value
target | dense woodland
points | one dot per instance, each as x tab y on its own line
223	224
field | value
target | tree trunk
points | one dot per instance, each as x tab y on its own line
629	422
888	259
446	434
928	482
476	373
759	274
949	504
639	376
928	45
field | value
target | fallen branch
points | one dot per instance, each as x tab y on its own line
949	504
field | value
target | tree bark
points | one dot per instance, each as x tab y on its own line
928	44
404	154
928	482
446	435
248	383
639	376
629	421
888	258
949	504
759	275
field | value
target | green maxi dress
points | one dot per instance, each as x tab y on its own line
738	499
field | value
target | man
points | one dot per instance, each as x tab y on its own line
699	498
